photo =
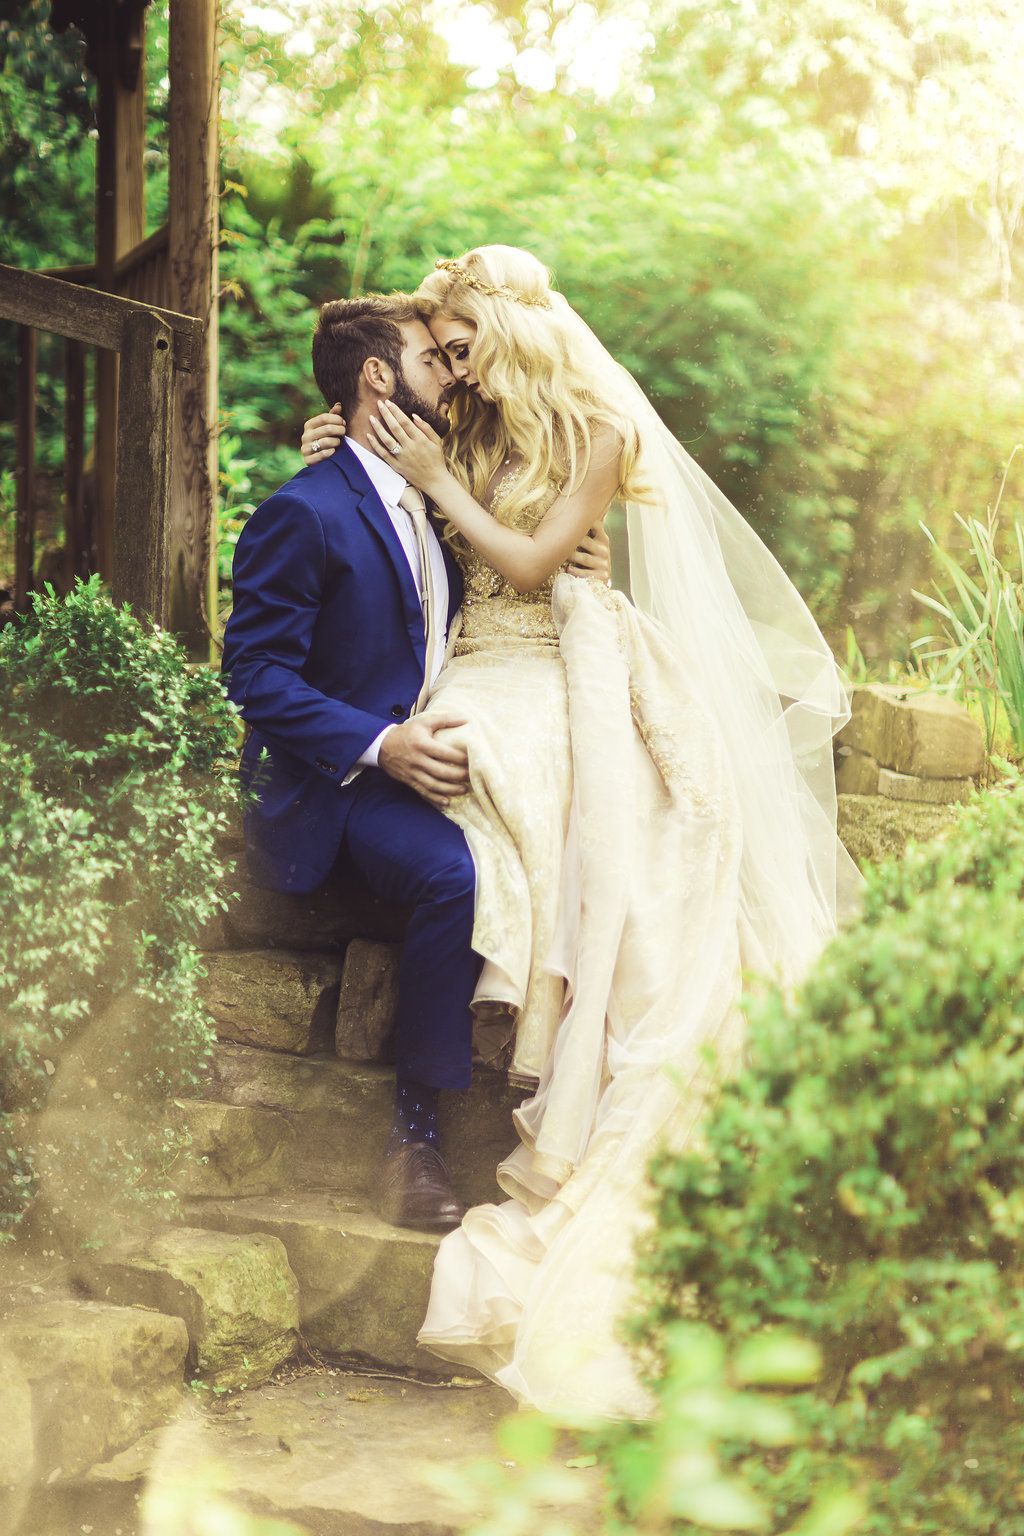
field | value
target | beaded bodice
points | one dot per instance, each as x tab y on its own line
493	612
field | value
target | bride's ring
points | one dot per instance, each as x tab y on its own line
396	448
315	445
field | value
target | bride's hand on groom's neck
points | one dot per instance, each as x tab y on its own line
322	434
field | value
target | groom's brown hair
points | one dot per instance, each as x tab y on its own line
351	330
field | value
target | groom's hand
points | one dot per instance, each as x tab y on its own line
593	557
412	754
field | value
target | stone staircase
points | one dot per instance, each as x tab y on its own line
281	1257
302	991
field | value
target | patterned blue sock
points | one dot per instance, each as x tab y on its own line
415	1115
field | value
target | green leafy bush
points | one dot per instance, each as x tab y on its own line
862	1185
679	1473
670	1471
113	791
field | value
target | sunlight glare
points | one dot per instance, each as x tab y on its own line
590	51
267	18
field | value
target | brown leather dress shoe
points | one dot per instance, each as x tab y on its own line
415	1189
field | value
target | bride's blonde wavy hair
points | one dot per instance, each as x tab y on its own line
542	405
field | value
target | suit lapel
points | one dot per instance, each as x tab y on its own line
373	510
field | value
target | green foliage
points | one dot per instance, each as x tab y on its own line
668	1474
47	156
113	791
273	282
860	1185
234	507
982	623
732	332
799	227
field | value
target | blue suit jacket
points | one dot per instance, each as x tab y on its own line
324	648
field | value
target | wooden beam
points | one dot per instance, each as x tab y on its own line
192	212
25	466
83	314
144	430
76	536
117	50
121	144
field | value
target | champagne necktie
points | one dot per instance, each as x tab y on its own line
411	501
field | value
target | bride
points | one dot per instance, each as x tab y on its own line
652	811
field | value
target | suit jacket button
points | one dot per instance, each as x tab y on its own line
398	710
326	766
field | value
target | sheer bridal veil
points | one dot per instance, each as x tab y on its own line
761	667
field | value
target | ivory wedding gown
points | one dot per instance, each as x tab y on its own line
607	837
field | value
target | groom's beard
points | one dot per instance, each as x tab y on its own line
413	404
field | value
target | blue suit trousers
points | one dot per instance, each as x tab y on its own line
406	851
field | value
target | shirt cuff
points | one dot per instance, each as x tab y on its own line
367	758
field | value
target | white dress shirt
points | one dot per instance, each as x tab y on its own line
389	485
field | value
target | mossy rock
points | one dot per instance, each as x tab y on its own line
873	829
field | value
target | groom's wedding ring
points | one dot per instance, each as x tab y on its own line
315	445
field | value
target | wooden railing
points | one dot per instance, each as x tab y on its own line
152	343
143	275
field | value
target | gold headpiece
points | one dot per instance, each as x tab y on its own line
448	264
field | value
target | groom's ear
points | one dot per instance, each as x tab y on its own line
378	377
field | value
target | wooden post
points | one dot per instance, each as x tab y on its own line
25	462
76	536
117	47
193	228
144	430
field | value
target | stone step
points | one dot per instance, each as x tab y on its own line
277	999
323	921
303	1003
925	735
367	1002
905	786
81	1381
856	772
234	1150
325	1453
340	1112
872	828
363	1284
236	1295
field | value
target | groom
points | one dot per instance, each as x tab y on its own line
325	653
